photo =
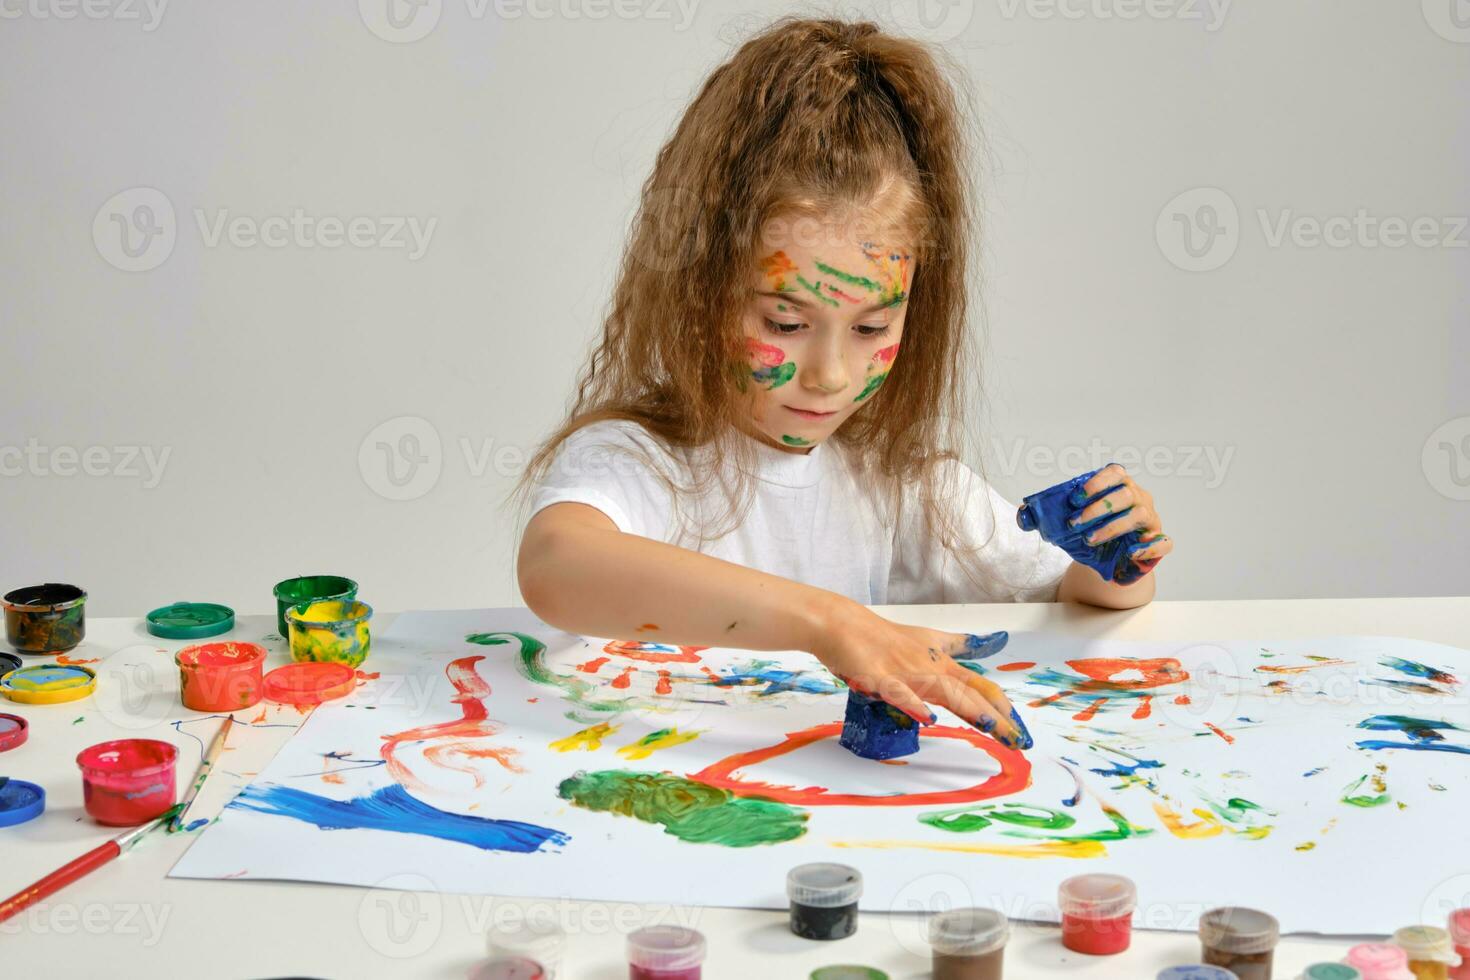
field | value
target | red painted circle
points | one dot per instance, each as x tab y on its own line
1014	775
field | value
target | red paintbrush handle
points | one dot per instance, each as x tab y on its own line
59	879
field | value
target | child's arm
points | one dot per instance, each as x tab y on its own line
579	573
1082	584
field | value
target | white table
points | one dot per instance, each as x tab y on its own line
129	920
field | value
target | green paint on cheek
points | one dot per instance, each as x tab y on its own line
796	441
874	383
849	278
687	810
775	376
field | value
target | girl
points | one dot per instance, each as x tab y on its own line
764	442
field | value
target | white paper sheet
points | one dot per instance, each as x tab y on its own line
1213	773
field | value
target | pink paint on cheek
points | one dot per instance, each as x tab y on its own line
769	355
886	355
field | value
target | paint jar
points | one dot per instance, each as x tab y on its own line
307	588
46	618
1330	971
969	944
1240	939
1049	510
874	729
824	899
1379	961
510	968
1195	971
330	631
129	781
220	676
1097	913
1431	951
847	971
665	953
544	942
1460	935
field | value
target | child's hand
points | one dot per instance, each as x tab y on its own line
908	665
1153	543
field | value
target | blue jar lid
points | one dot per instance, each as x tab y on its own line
20	801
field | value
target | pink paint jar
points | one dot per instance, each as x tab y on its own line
217	677
665	953
1097	913
129	781
1379	961
1459	926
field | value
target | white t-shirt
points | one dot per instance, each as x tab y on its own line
810	519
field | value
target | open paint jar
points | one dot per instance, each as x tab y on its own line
1460	935
1097	913
510	968
307	588
1196	971
1323	971
330	631
129	781
969	944
824	899
665	953
1240	939
539	940
46	618
220	676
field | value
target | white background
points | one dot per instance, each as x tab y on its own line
1331	382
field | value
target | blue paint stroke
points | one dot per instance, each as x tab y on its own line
777	680
390	808
1424	734
1418	670
1313	772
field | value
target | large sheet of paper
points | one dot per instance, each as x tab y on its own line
1325	780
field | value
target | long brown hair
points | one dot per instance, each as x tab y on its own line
808	117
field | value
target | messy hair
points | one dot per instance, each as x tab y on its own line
808	118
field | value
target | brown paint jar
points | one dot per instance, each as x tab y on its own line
969	944
1240	939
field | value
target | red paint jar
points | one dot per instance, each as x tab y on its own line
1097	913
1459	926
129	781
220	676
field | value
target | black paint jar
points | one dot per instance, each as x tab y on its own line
824	900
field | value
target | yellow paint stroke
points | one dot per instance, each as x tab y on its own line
649	744
1044	849
588	739
1302	669
1207	826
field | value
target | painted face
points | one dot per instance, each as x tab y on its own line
821	333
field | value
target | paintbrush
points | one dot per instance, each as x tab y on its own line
82	866
205	765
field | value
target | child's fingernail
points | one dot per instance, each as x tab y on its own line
986	724
1024	736
933	717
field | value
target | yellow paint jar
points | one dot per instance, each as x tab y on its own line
329	631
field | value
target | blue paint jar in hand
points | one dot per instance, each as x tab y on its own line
1049	511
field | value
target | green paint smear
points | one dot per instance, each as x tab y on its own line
796	441
815	291
533	669
849	278
965	820
1122	830
777	376
874	383
1236	809
1351	798
690	811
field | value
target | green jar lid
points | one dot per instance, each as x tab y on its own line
191	620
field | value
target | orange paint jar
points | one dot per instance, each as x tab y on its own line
220	676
